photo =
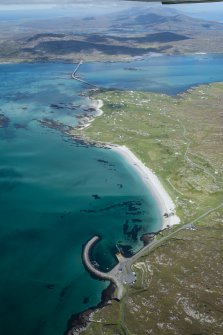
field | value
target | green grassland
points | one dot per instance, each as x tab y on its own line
179	138
178	290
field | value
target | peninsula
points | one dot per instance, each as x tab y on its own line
179	139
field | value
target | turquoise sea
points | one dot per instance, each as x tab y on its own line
56	193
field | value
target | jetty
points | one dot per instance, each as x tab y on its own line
74	76
120	275
77	67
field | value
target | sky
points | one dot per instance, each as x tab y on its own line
17	4
212	11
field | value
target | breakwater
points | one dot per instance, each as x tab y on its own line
121	274
74	76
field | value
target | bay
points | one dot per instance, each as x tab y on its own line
56	193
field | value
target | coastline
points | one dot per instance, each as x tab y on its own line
80	321
93	104
97	104
165	203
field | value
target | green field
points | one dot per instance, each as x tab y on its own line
178	290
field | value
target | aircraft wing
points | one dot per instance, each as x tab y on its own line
169	2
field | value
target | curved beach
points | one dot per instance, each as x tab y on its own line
165	203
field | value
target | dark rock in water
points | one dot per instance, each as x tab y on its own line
136	220
89	109
131	69
119	205
56	106
4	121
10	173
20	126
120	185
133	233
147	238
102	161
53	124
126	250
62	215
125	227
96	197
50	286
8	186
80	320
63	291
86	299
62	105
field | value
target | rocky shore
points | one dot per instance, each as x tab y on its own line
80	321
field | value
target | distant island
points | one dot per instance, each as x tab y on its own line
119	36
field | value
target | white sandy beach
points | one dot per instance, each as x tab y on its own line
156	188
163	199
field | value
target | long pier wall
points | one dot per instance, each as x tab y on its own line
111	275
73	75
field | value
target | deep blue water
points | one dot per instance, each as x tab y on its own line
164	74
55	193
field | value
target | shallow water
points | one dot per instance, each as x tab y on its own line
55	193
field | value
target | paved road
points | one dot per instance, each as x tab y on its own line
73	75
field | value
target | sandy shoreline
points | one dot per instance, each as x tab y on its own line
165	203
163	199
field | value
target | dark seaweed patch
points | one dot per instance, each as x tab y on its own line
50	286
63	291
87	299
7	186
126	250
131	205
10	173
4	121
96	197
132	233
20	126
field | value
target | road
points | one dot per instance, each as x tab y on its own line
122	273
73	75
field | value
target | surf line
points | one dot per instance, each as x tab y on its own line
74	76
